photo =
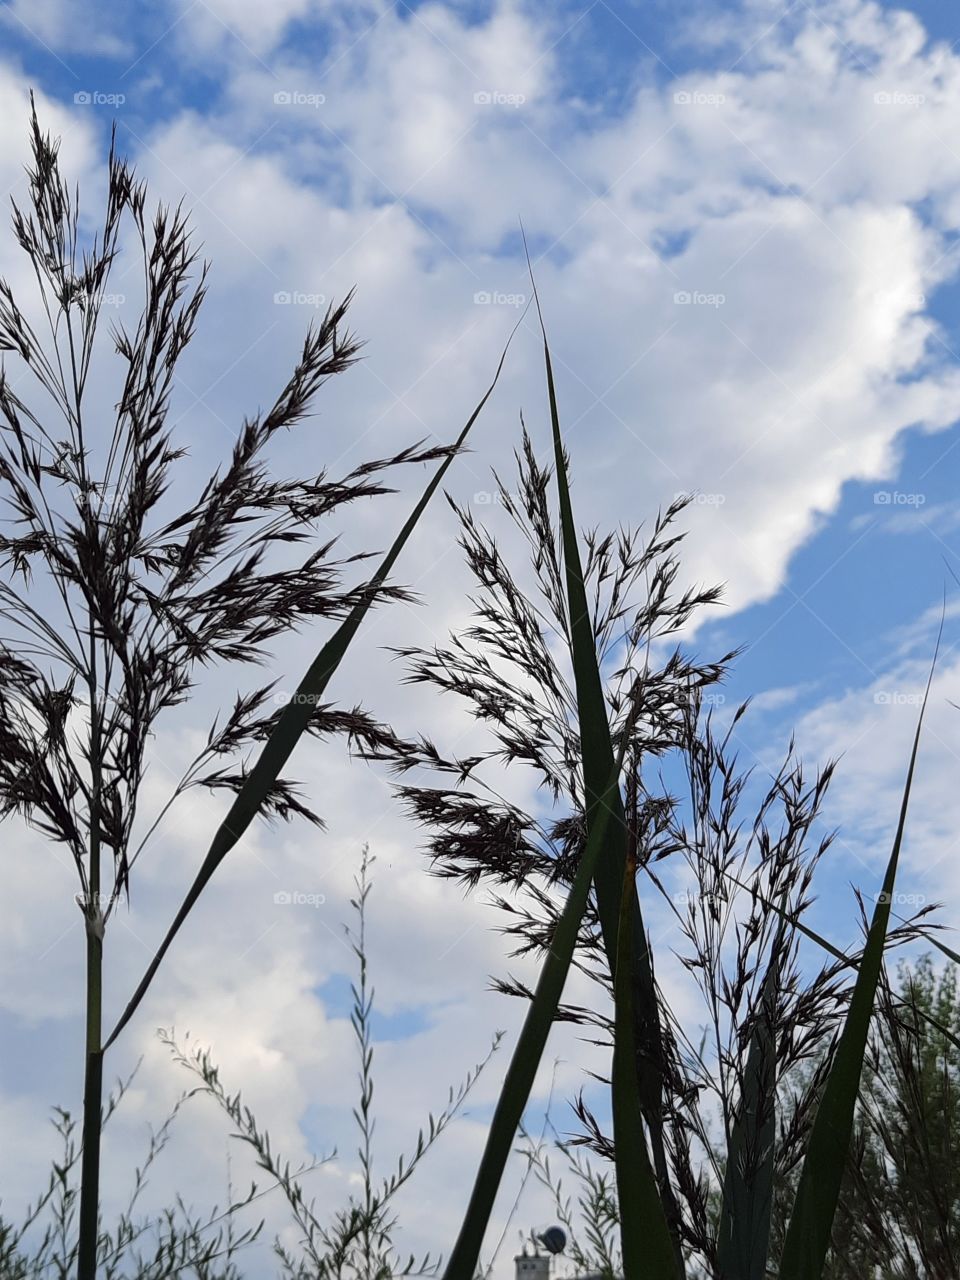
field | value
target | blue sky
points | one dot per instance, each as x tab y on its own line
745	220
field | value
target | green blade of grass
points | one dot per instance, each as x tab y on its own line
642	1087
747	1199
941	946
818	1191
528	1053
646	1244
294	719
852	962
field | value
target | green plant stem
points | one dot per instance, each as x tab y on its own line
93	1072
92	1111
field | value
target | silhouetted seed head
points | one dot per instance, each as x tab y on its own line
132	601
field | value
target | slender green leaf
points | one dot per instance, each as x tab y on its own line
647	1246
528	1053
294	719
941	946
642	1087
853	962
818	1191
747	1201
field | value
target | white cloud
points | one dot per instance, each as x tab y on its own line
253	29
870	729
65	27
804	260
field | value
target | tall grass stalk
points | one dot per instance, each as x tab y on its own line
137	593
899	1209
637	1083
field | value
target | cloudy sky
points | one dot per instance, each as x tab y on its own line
745	223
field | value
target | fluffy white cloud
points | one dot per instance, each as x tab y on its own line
758	234
871	728
65	28
239	27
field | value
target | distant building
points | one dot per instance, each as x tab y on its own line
534	1265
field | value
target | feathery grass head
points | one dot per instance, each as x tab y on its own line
112	597
505	666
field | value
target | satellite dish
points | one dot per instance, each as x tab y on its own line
554	1239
